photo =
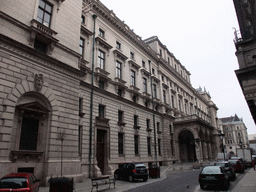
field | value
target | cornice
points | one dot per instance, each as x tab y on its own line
37	57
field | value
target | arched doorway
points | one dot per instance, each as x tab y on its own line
187	146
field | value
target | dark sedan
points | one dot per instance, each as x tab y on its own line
131	171
239	168
229	168
215	176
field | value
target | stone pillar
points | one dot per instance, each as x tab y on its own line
199	154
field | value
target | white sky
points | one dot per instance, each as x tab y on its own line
200	34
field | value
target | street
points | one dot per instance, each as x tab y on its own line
183	182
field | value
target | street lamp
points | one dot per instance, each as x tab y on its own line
221	135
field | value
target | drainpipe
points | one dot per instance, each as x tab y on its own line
152	100
91	103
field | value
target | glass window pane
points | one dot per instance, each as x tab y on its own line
41	4
47	18
40	14
48	8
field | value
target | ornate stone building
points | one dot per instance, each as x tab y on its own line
236	135
82	93
246	50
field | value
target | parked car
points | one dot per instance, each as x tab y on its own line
21	182
131	171
239	168
229	168
241	160
214	176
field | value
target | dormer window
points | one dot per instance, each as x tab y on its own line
101	33
44	13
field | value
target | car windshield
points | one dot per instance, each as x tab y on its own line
211	170
232	162
13	182
140	166
222	164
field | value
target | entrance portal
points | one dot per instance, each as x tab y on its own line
101	149
187	146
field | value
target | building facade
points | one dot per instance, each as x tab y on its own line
82	93
235	134
246	50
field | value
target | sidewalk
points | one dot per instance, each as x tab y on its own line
247	183
122	186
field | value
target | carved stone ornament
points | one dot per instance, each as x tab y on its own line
39	81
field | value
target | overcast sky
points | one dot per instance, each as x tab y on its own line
200	34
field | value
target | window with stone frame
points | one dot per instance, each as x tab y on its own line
121	143
101	59
132	55
172	97
102	111
154	91
159	147
145	86
119	69
120	116
164	96
149	145
44	13
133	78
102	33
101	84
81	46
118	45
136	144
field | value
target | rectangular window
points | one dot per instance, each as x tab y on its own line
101	59
120	143
149	145
131	55
120	116
145	89
80	106
164	96
118	69
82	19
158	127
172	101
118	45
162	78
159	146
102	111
153	71
101	84
40	46
143	64
168	60
80	139
135	122
44	13
119	92
136	144
133	78
172	149
81	46
102	33
148	124
179	105
154	91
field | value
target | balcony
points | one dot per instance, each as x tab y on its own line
247	35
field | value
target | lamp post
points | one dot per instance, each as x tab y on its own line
221	135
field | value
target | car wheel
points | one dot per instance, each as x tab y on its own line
116	176
130	178
201	186
145	179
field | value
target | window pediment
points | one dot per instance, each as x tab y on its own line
103	43
86	31
133	64
120	55
145	72
34	106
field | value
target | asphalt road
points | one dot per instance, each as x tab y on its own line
181	182
175	182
